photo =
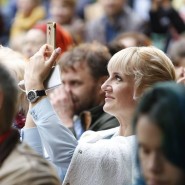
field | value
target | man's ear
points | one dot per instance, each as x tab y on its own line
1	99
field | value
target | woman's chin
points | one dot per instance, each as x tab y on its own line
108	109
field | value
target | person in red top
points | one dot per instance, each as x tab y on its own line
32	45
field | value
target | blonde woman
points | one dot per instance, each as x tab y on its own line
106	157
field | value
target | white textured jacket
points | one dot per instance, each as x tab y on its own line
93	160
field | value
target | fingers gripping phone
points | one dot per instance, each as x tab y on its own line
54	78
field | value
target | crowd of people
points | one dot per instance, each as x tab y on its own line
118	115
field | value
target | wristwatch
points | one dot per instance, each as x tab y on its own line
33	95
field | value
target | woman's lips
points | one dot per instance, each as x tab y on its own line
107	97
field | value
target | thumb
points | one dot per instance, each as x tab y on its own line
55	54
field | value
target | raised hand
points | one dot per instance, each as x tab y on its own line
39	66
63	105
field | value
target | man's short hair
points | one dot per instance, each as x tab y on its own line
95	55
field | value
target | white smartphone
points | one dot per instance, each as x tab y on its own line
51	34
54	78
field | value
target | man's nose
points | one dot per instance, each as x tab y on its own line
67	88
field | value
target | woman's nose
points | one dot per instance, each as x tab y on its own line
155	164
106	86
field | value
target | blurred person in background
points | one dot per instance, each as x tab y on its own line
159	122
19	164
36	37
63	13
81	5
141	7
15	63
176	52
128	39
165	23
4	32
28	13
180	6
93	11
9	10
117	18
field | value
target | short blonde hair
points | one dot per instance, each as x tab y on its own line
147	65
15	64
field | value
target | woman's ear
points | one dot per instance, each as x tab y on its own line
138	91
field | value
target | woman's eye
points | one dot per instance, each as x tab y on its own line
118	78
